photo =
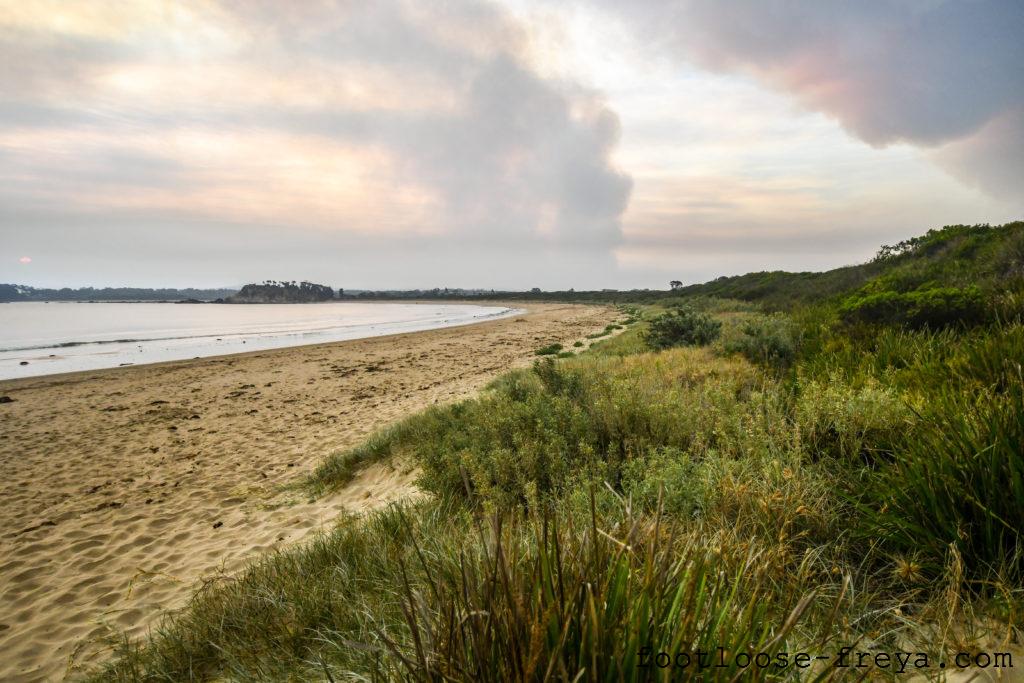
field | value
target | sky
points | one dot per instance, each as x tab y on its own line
500	144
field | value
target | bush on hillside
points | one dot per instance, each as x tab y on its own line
682	326
549	350
934	308
837	420
770	340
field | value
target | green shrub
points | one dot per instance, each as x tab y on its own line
667	477
549	350
577	344
682	326
767	340
933	307
835	419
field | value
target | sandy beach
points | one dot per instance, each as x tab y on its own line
124	488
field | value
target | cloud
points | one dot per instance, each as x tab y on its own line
363	119
992	158
925	72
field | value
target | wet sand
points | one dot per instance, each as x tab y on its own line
123	489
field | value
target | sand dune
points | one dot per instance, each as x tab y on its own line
124	488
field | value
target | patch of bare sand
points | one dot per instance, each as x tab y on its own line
123	488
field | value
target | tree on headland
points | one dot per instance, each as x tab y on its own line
675	284
274	292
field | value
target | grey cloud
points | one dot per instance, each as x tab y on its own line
926	72
993	158
35	65
517	150
514	146
519	159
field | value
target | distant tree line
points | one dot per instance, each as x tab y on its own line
11	292
535	294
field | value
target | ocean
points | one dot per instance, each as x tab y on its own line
39	338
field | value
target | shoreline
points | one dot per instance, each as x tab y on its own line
261	341
127	486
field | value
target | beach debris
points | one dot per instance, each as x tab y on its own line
217	525
24	362
6	399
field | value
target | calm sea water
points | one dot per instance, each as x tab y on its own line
47	338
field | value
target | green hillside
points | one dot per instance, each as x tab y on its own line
960	256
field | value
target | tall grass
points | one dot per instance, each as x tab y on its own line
425	593
547	600
920	362
960	483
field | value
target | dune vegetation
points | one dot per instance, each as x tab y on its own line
774	465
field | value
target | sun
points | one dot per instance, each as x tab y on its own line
25	259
